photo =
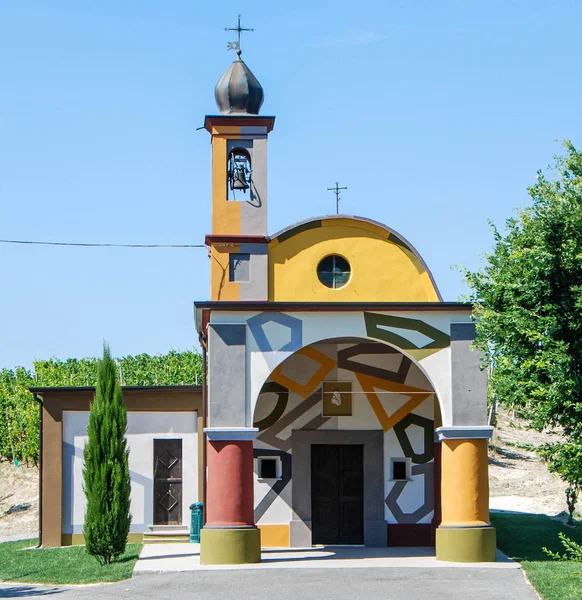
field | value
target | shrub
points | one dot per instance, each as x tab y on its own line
106	477
573	550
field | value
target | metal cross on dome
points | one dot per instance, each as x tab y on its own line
336	190
238	29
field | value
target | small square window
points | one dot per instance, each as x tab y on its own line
399	469
269	468
239	267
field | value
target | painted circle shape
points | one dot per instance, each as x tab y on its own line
334	271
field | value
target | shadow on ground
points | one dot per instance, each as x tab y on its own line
522	536
501	455
27	591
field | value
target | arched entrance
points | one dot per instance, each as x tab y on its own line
345	452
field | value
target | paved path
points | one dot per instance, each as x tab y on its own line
300	584
166	558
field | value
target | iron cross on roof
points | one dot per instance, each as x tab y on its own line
238	29
336	191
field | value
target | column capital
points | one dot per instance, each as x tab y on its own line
231	434
464	432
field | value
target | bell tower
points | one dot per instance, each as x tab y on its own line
238	242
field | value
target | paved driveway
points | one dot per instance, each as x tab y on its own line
301	584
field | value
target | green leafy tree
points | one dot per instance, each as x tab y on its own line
106	472
528	298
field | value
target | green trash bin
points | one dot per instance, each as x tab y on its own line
196	521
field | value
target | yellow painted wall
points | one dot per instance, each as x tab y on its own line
274	536
220	286
225	214
381	270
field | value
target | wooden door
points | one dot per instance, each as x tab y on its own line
167	482
337	494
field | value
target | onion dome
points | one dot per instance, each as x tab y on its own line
238	91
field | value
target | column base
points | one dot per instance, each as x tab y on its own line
236	546
466	544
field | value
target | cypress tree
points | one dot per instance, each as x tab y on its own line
106	478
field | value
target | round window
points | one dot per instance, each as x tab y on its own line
334	271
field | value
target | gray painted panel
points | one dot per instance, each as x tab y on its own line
226	375
373	481
255	248
254	213
247	144
300	534
68	491
256	288
231	335
239	267
469	382
376	533
462	332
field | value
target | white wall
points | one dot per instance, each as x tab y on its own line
142	429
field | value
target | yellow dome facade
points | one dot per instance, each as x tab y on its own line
383	266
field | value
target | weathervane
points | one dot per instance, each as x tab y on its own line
336	191
236	45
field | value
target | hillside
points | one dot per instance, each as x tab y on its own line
518	479
18	501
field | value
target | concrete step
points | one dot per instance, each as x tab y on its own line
167	539
169	529
167	534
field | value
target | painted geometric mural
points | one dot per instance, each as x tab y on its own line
389	392
414	336
402	331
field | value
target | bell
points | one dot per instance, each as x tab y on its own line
240	180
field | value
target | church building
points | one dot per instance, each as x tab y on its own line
342	402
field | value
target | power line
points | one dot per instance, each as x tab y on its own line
89	245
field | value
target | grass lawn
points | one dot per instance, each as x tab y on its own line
61	565
522	537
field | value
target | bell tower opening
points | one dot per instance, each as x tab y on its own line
239	175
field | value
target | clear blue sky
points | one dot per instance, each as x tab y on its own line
436	114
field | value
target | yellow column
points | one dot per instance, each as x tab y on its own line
465	533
